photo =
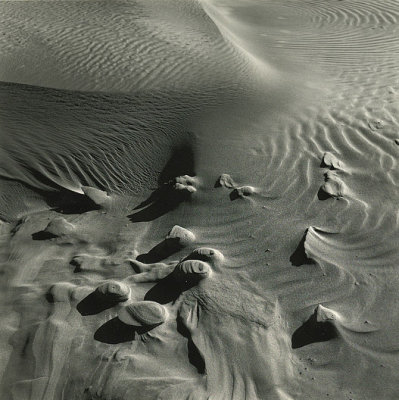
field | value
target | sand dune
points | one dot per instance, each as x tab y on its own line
199	200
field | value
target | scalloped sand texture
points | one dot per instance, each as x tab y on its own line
199	200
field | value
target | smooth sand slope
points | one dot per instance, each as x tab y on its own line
199	200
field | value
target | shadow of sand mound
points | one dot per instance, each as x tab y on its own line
166	198
180	163
95	303
175	240
42	235
159	252
194	355
299	256
60	199
67	202
322	195
313	331
168	290
165	291
115	331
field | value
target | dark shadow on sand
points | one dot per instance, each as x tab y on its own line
312	332
161	251
299	257
67	202
161	201
322	195
115	331
167	290
95	303
234	195
43	235
181	162
60	200
194	355
165	198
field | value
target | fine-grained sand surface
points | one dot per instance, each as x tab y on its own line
199	200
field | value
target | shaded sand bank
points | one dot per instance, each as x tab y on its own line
199	200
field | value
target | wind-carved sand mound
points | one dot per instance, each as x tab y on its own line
242	192
213	256
319	327
334	186
107	295
97	196
326	324
192	271
143	313
216	316
59	227
166	198
238	192
61	231
358	252
177	239
215	313
329	160
225	180
185	183
301	254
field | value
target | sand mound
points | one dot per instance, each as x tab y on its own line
225	180
192	271
333	186
144	313
329	160
59	227
242	192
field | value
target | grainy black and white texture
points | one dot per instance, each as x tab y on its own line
199	200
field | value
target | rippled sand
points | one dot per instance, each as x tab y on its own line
132	267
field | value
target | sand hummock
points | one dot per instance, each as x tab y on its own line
144	313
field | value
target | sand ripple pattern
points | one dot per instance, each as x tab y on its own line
359	35
69	139
115	46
